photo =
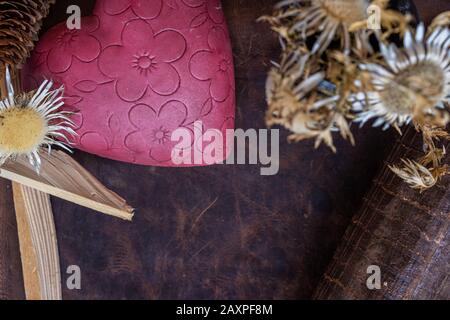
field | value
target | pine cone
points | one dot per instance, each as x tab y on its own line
20	21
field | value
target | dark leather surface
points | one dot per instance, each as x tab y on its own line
223	231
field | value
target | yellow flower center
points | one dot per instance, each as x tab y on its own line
21	130
346	11
419	86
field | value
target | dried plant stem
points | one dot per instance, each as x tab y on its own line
40	261
27	252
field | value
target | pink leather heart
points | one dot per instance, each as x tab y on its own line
139	69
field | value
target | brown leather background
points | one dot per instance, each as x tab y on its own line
218	232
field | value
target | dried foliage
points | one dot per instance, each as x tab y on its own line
297	103
20	22
336	69
426	172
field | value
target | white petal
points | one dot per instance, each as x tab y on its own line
407	40
420	32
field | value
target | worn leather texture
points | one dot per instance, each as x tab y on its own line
138	70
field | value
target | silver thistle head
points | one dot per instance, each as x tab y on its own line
413	85
32	121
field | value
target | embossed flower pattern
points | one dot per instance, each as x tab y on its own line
213	8
68	44
132	57
154	129
214	65
140	7
145	60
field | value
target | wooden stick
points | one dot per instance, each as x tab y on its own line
38	244
62	177
27	252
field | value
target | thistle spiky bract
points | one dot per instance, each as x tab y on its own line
295	104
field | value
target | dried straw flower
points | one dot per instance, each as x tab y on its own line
415	84
31	121
295	102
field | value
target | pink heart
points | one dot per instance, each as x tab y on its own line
137	71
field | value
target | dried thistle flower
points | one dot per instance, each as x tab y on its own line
345	20
31	121
314	90
295	102
415	85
